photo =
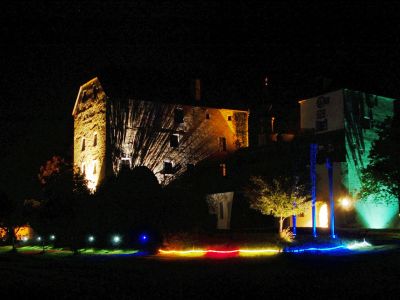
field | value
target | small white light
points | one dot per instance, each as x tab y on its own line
52	237
39	239
345	202
116	239
24	238
91	239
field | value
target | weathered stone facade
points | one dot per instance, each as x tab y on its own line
166	138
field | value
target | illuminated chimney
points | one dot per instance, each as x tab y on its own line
197	89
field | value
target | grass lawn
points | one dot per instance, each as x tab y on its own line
366	274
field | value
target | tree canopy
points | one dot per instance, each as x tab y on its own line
382	175
280	198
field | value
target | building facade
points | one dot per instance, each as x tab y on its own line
345	124
169	139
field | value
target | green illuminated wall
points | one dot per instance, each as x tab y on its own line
362	113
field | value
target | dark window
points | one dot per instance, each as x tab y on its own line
190	167
221	210
94	168
124	164
222	144
167	167
366	123
174	140
207	116
322	101
83	169
95	140
321	125
301	215
178	116
229	118
321	114
83	144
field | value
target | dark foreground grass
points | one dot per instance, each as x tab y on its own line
367	275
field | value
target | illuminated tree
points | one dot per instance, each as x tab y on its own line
382	175
279	198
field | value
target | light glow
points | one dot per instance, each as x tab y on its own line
345	203
358	245
222	253
323	216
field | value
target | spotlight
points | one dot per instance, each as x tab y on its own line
39	238
116	239
90	238
143	238
345	203
52	237
24	238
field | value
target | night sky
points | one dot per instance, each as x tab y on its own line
153	51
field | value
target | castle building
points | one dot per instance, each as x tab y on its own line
169	139
344	124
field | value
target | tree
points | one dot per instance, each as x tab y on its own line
11	218
280	198
62	208
382	175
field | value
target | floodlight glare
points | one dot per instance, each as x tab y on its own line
345	202
91	239
39	238
24	238
52	237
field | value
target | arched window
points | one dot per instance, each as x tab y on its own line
95	140
83	144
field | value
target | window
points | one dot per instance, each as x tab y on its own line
95	140
366	123
83	145
207	116
125	163
223	169
178	115
321	114
221	210
190	167
222	144
167	167
94	168
174	140
229	118
83	169
321	125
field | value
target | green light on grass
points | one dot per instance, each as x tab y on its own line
377	215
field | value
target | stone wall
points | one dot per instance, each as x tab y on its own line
90	132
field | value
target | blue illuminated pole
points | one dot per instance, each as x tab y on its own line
332	204
294	224
313	174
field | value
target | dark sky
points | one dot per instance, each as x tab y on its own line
153	50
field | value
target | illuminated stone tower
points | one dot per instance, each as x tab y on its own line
344	124
169	139
90	132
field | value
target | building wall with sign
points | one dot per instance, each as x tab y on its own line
345	124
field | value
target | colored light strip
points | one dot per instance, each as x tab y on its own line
200	252
261	251
358	245
311	249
